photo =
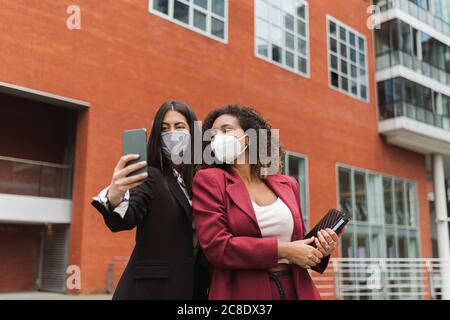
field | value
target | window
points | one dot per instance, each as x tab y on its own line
383	213
208	17
389	230
295	166
281	33
347	52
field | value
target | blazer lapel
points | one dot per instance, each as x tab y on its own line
280	186
239	194
179	195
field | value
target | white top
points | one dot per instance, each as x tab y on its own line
275	220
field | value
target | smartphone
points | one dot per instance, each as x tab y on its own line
135	142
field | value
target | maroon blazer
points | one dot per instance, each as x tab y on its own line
230	237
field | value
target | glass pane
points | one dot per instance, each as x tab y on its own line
364	92
262	29
334	62
290	40
390	246
302	65
345	194
218	7
333	45
289	22
360	196
375	246
276	16
277	53
361	43
342	34
202	3
387	196
199	20
413	250
354	88
402	247
218	28
262	47
362	246
161	6
344	67
276	35
290	59
181	12
353	71
262	9
301	11
344	83
411	204
353	55
374	189
19	178
296	167
332	28
347	244
301	46
352	38
343	50
362	60
334	79
399	202
301	28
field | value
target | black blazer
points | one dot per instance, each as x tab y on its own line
163	264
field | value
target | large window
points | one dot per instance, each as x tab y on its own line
396	35
398	90
208	17
347	60
295	166
383	213
281	33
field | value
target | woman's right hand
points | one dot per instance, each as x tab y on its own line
120	183
300	253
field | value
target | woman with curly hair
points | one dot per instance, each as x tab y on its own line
249	223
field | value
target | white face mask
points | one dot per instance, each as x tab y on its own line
227	148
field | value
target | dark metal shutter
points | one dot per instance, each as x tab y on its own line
52	275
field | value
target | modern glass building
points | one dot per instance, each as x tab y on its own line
412	48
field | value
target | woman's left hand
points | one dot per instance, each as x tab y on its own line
326	241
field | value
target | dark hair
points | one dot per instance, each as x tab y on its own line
155	156
248	118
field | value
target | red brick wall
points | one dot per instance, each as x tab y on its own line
19	251
126	62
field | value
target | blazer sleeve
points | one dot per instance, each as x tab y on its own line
221	247
320	268
138	207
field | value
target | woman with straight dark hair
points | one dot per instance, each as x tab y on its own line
166	262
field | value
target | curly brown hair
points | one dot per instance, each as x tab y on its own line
248	118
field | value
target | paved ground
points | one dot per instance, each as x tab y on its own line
51	296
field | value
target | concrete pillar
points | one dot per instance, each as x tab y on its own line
443	239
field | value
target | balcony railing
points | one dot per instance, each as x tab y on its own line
414	10
34	178
382	278
403	109
411	62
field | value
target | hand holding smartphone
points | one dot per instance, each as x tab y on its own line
131	170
